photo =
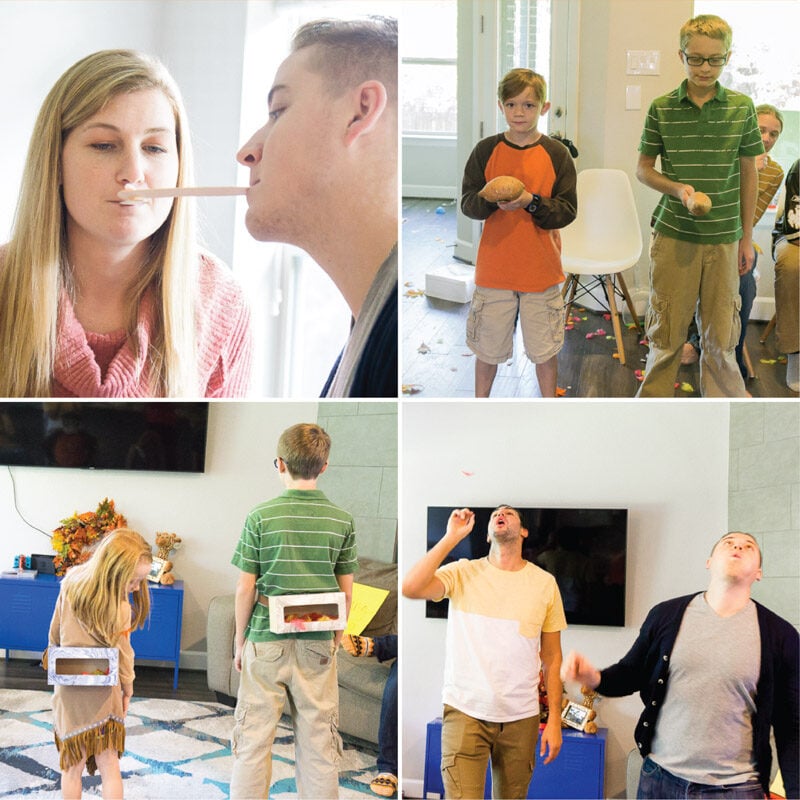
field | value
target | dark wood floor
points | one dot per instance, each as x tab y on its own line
437	362
18	673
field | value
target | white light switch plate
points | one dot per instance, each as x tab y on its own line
633	97
643	62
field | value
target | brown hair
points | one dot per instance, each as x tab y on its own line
304	448
349	52
518	80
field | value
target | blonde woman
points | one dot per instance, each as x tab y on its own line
106	298
93	610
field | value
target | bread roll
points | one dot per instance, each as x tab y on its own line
699	204
502	189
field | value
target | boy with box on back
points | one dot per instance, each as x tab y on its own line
518	269
707	137
297	543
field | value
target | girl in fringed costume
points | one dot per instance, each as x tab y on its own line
99	604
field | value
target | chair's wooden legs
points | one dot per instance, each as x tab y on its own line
612	305
624	289
768	330
571	285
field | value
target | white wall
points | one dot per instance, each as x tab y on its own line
666	462
430	167
206	510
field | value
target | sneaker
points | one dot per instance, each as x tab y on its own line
359	646
793	372
384	784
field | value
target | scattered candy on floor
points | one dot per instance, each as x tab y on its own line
424	349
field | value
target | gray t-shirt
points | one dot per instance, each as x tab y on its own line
704	732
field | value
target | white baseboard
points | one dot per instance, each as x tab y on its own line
193	659
763	309
412	788
434	192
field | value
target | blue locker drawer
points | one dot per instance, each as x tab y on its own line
578	772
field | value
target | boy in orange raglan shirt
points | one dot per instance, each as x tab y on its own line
518	270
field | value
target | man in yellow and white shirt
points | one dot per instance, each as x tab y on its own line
505	622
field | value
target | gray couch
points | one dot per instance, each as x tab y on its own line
361	680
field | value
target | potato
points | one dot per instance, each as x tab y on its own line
699	204
502	189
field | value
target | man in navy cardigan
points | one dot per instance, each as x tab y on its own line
715	671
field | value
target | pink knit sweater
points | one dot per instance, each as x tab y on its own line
95	365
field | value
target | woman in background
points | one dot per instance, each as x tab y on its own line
110	298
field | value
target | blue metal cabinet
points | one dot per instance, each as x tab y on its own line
26	608
578	772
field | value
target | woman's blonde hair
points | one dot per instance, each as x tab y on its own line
95	590
34	269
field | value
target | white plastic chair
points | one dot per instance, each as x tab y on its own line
604	240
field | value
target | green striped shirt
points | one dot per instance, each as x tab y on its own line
296	543
702	147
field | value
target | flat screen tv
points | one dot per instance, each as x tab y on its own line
583	548
155	436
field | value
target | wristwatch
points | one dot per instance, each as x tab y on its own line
534	204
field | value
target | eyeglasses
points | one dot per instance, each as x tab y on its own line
698	61
275	462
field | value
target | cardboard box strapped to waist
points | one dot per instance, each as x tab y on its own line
83	666
297	613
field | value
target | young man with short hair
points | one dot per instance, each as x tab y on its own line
323	176
504	611
716	671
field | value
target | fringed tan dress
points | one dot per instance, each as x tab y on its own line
88	719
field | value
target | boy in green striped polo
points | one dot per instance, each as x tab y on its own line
707	137
298	542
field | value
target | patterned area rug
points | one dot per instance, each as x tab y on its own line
174	749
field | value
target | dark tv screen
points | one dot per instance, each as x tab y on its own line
583	548
152	436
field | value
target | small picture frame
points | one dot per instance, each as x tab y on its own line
575	715
156	569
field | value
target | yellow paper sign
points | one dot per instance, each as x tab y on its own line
364	606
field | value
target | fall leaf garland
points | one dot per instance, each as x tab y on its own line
72	538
